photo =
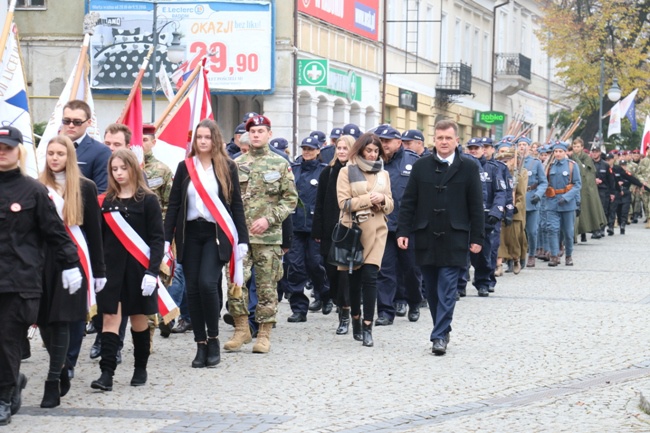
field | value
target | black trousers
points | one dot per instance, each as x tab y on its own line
339	284
17	313
363	281
202	268
623	208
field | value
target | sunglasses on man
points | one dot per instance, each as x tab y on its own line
75	122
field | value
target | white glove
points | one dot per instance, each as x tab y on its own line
149	283
72	280
99	284
242	249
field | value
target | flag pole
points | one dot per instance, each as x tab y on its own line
90	21
136	85
7	26
179	94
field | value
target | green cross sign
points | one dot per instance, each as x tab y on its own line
312	72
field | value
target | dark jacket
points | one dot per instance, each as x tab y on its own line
28	220
326	212
399	169
92	157
443	208
307	175
176	216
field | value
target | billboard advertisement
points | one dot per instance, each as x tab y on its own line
360	17
236	36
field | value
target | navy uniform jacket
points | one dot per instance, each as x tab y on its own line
327	153
92	157
480	171
505	180
495	185
306	174
399	169
560	174
537	182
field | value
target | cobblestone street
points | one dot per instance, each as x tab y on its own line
553	350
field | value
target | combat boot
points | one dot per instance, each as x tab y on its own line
5	404
241	336
263	344
554	261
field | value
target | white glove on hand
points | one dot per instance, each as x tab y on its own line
99	284
149	283
72	280
242	249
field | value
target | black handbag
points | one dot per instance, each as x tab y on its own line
346	248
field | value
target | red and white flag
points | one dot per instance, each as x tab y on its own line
133	119
645	138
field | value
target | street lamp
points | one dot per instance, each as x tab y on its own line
613	94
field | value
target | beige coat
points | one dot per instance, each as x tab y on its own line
371	220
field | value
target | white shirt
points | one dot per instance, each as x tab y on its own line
195	206
449	159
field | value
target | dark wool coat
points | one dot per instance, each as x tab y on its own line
326	213
443	208
176	216
57	305
124	273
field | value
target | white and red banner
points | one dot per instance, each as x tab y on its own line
133	119
645	138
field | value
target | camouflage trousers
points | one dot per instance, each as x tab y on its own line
636	207
267	261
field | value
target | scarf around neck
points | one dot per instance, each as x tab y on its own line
369	166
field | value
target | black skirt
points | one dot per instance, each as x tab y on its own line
57	304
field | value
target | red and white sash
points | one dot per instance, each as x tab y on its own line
218	211
138	248
79	240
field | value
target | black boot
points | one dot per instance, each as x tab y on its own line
367	335
16	396
52	394
356	329
214	353
65	381
108	363
344	321
201	355
5	404
141	350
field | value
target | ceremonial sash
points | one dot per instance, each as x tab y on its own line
224	221
138	248
79	240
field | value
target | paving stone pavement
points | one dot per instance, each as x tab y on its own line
553	350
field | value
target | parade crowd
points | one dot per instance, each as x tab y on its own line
102	240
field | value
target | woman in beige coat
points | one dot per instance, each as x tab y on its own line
365	185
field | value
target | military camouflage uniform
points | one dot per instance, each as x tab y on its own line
636	207
268	190
643	174
159	178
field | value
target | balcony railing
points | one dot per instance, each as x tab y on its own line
513	64
455	79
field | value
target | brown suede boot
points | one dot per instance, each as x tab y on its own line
241	336
263	344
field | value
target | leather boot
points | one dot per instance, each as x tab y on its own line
52	394
5	404
367	335
108	363
356	329
263	343
17	396
201	355
344	321
554	261
141	351
64	382
531	262
241	336
214	353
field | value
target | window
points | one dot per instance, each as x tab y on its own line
457	41
31	4
467	55
487	57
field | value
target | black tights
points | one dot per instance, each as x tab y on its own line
364	281
56	337
339	285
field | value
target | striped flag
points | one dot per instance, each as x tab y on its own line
645	138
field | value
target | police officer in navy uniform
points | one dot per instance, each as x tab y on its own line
327	151
606	185
233	147
537	184
494	207
304	259
352	129
413	140
399	279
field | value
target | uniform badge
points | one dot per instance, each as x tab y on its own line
272	176
15	207
502	184
155	182
565	173
484	177
313	182
408	167
500	208
530	173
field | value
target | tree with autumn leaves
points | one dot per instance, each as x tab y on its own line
578	33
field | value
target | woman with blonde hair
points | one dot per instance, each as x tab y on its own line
326	215
205	218
363	187
133	245
75	199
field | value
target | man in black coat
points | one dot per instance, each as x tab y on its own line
442	209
